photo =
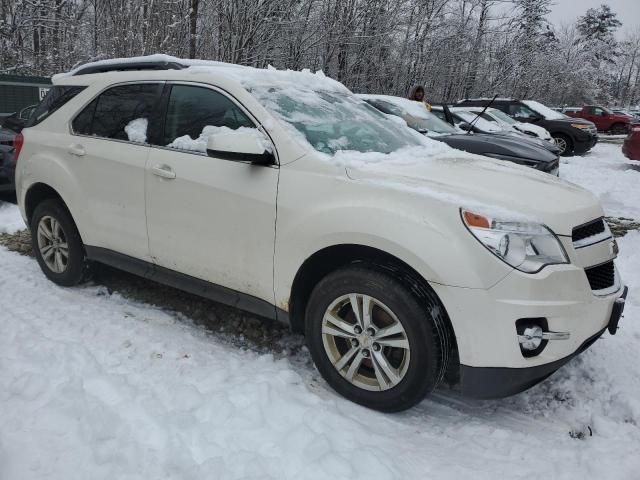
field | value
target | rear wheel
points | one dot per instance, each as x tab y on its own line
57	244
564	143
619	129
373	341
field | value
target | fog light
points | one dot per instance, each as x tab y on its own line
531	338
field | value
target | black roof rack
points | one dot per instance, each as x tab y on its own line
129	66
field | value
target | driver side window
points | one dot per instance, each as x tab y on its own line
195	113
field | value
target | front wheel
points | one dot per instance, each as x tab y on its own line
373	341
564	143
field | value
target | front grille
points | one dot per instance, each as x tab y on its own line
601	276
588	230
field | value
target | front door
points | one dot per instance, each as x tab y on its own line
209	218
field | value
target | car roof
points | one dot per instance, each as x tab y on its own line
194	70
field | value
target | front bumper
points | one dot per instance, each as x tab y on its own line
498	382
485	320
584	142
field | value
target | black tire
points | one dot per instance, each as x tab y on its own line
618	129
564	143
422	317
77	267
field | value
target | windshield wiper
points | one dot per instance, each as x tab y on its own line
473	122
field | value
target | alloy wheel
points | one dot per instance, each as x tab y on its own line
52	244
365	342
561	143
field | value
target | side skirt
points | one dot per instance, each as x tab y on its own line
178	280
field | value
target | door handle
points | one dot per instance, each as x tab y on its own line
164	171
76	149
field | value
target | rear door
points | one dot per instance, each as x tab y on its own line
109	151
207	217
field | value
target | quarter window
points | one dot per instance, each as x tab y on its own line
195	113
120	113
55	98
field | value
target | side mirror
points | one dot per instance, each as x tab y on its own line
243	145
604	114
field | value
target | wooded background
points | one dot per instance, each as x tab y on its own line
456	48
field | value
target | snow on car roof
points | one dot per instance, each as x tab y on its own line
247	76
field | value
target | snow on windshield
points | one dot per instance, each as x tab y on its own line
480	123
334	121
543	110
415	114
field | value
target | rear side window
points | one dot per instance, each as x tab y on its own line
194	113
55	98
120	113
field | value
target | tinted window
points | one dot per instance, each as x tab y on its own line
521	111
82	123
195	113
121	113
55	98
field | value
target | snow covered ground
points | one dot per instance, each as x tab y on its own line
94	385
607	173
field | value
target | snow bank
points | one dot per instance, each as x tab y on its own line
610	176
10	218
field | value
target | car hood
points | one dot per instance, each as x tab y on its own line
487	186
530	127
570	120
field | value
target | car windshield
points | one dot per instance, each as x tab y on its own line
543	110
333	121
501	116
414	113
480	123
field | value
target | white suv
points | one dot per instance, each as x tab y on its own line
405	263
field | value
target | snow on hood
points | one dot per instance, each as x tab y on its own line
491	187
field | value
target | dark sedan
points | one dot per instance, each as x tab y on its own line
501	147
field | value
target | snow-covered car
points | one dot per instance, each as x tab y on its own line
504	120
472	121
571	135
503	147
406	264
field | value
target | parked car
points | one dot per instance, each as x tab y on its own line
466	120
507	123
406	263
7	160
604	119
572	135
631	145
494	146
11	126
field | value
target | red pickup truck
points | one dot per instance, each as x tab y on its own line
605	119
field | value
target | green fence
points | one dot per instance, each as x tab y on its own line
17	92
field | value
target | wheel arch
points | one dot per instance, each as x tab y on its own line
331	258
36	194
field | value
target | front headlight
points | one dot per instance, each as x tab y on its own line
528	247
